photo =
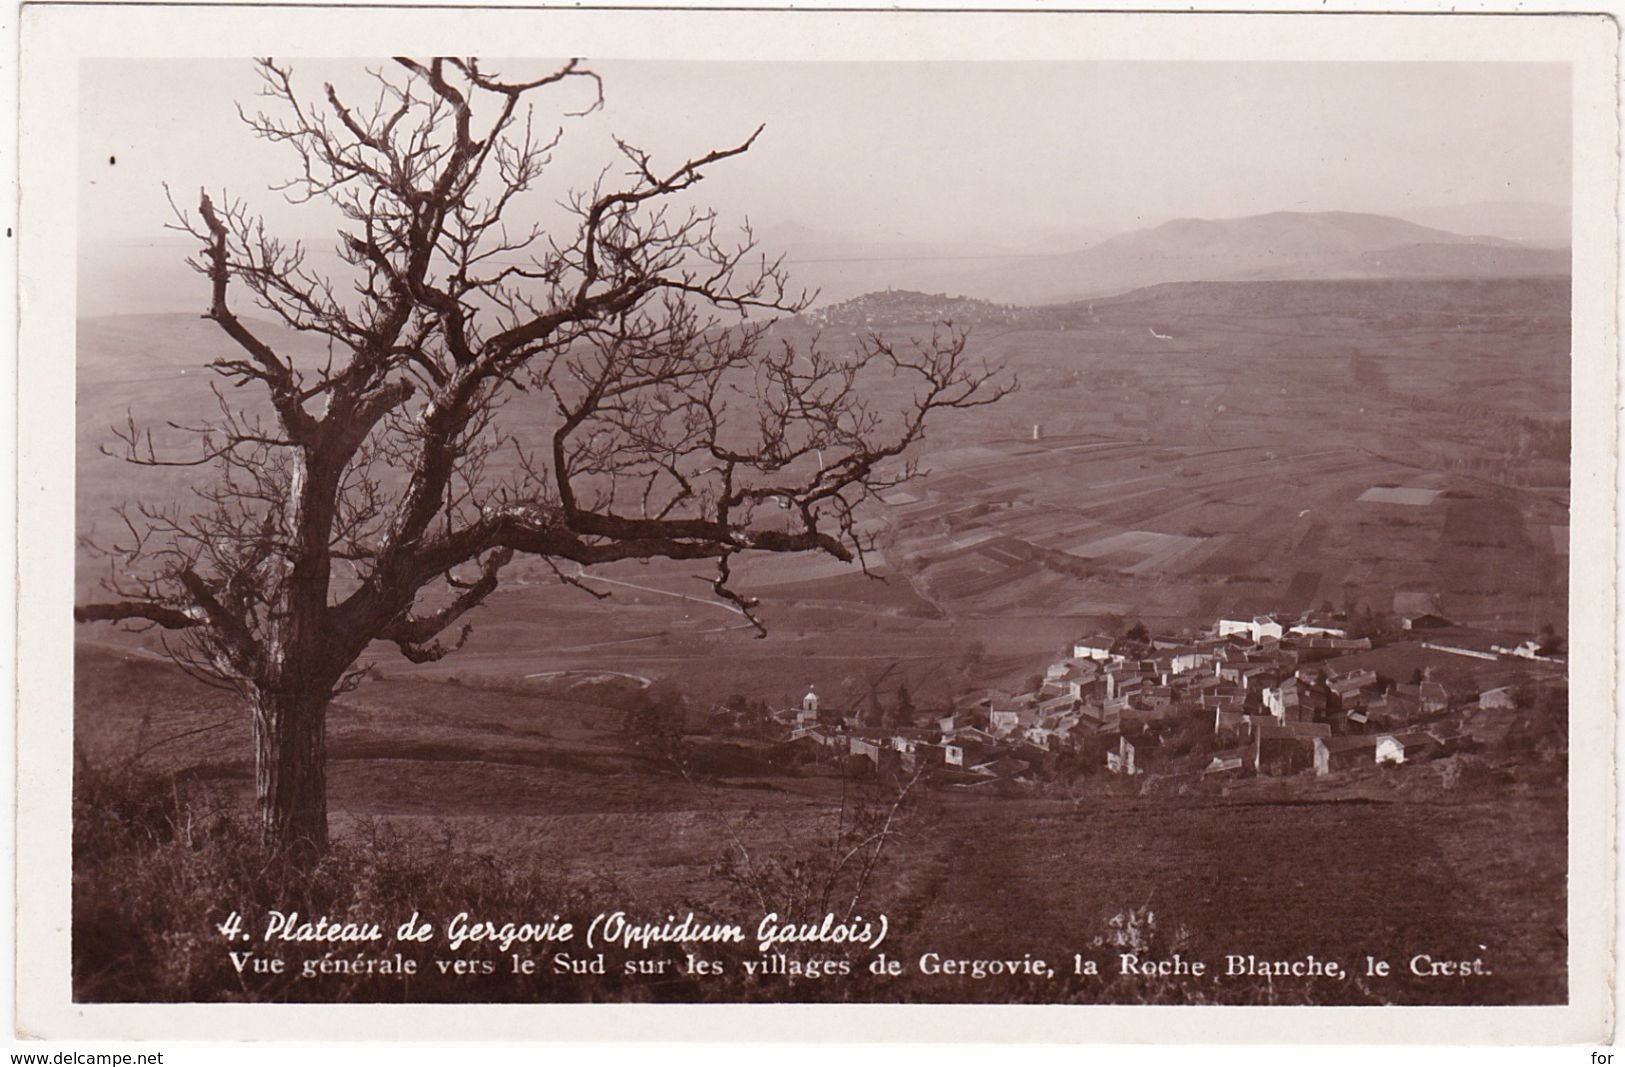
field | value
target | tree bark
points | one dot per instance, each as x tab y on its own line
290	771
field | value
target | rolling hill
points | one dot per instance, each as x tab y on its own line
1029	270
1279	245
1530	221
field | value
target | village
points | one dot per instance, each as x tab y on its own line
1261	696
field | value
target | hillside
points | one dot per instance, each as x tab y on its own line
1377	284
515	772
1030	269
1434	260
1282	234
1174	454
1204	448
1533	222
1283	245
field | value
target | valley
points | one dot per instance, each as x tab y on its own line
1174	454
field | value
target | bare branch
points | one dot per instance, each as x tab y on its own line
167	617
377	489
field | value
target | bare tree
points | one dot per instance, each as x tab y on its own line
375	495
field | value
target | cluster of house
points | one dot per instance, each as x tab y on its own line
895	307
1269	688
981	743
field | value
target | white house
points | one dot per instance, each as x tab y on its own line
1098	647
1527	650
1129	756
1263	626
1257	628
1185	662
1003	721
1283	702
1398	748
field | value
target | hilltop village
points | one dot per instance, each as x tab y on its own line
1252	696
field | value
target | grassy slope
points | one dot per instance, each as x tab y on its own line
1357	866
1337	877
1247	437
1254	376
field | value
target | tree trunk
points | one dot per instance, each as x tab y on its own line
290	771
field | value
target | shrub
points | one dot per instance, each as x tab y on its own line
158	863
1464	772
161	862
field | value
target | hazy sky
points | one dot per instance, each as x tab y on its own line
929	150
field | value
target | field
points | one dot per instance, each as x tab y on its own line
1245	461
1281	449
1267	447
1274	869
1280	880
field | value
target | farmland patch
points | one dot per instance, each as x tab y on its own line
1412	496
1300	592
1134	546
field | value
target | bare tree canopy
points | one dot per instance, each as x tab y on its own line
377	495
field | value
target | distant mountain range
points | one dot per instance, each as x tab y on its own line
1285	244
1528	221
1297	245
1162	312
1033	269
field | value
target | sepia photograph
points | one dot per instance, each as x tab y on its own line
909	525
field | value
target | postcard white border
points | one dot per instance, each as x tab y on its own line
56	37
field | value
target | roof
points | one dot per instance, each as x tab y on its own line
1474	637
1003	767
1268	730
1347	743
